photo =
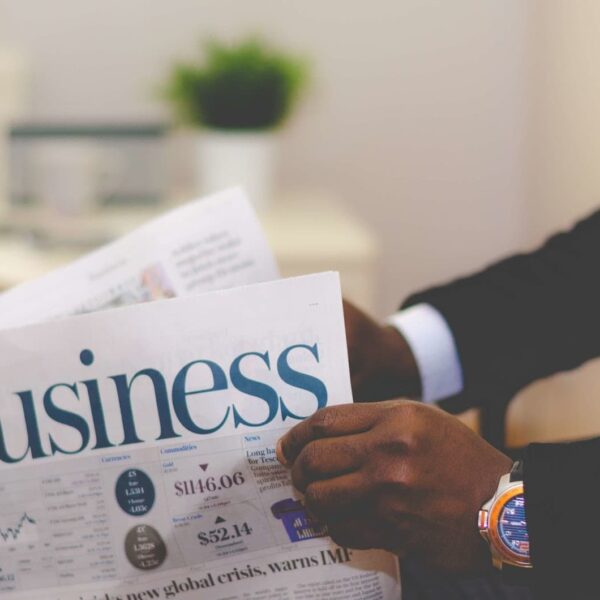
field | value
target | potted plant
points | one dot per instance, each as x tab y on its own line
238	95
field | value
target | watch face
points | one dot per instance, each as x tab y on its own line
512	527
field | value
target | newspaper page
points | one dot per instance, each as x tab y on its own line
209	244
137	451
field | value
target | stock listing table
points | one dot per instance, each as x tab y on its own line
122	514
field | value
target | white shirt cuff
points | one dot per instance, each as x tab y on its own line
432	343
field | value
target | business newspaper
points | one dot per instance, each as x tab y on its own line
120	478
137	450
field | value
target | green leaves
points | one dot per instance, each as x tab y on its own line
244	86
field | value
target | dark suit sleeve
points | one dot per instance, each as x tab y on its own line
562	496
525	317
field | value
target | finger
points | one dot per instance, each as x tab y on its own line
361	534
372	532
328	458
339	499
333	421
349	310
352	320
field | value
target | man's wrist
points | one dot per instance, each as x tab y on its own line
400	363
502	523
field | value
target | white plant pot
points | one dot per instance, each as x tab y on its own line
227	159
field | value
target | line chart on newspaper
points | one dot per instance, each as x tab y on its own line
137	445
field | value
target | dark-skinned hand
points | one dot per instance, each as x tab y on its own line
382	365
397	475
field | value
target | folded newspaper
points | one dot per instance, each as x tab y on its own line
137	445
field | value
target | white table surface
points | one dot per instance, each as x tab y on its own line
307	232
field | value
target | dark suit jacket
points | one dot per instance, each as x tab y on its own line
519	320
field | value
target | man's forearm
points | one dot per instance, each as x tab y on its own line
525	317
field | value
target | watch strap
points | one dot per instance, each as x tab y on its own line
516	473
517	575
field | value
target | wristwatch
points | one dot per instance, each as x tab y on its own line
503	525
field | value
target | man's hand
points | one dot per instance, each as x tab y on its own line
382	365
397	475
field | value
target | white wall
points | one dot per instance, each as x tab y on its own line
564	118
416	113
563	185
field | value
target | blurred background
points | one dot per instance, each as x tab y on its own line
430	138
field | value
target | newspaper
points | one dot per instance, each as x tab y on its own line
210	244
137	445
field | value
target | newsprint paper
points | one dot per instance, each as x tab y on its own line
210	244
137	445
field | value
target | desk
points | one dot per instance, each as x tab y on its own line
307	232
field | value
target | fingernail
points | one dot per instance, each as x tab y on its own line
280	455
